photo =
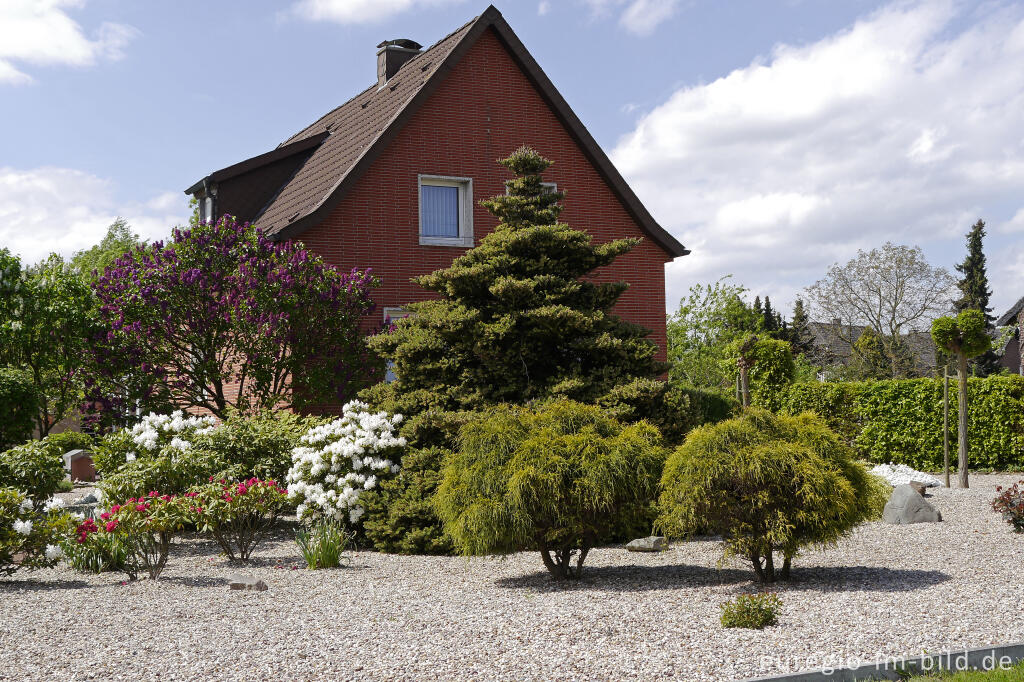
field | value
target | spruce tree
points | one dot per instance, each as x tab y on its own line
974	294
758	310
771	322
518	318
800	336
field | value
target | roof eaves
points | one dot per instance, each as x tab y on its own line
276	154
1009	316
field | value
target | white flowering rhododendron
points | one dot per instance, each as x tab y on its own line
156	431
337	462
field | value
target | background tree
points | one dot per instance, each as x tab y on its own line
220	317
768	484
974	295
964	337
765	366
119	239
48	324
893	290
557	479
799	333
869	359
771	320
710	318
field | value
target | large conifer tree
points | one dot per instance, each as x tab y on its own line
519	317
974	293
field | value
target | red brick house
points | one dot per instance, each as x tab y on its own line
391	178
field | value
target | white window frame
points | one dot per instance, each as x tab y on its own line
392	313
465	186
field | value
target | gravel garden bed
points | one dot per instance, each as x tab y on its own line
887	590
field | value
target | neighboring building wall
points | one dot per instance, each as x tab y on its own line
483	110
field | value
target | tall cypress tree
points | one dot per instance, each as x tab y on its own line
771	322
974	294
800	336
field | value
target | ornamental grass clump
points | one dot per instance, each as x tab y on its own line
30	536
557	479
322	544
147	525
752	611
338	461
769	485
1010	503
238	515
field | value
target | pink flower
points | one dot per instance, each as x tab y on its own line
111	525
152	493
140	507
105	516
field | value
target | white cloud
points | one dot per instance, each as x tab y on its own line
640	17
906	126
62	210
543	7
40	32
359	11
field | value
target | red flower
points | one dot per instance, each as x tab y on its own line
111	526
141	507
105	516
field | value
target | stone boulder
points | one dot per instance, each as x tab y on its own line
653	543
249	583
919	487
907	506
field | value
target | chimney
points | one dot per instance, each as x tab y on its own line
391	54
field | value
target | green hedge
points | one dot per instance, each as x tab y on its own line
901	421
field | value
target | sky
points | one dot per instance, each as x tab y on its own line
772	137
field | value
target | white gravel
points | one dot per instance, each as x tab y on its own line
888	590
901	474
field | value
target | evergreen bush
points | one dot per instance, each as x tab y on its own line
768	484
556	479
19	405
35	468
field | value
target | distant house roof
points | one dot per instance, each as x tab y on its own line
828	338
1010	316
347	140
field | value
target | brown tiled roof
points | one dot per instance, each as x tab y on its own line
359	129
1010	316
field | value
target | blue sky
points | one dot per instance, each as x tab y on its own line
773	138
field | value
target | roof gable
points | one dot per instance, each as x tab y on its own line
359	130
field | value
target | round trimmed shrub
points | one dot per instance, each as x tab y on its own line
556	479
768	484
35	468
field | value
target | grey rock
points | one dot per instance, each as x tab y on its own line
87	499
907	506
240	581
653	543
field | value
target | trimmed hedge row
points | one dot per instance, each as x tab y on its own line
901	421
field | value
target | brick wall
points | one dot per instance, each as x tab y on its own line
483	110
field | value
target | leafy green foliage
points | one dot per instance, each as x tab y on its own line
322	544
555	479
119	239
66	441
901	420
19	405
253	446
752	611
767	484
966	334
97	553
31	534
770	363
400	515
238	515
710	318
35	468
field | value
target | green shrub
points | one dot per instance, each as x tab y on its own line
657	402
1010	504
35	468
767	484
97	553
322	545
900	421
239	515
34	535
400	516
258	446
19	405
753	611
555	479
708	406
66	441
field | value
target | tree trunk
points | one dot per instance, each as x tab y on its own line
962	380
744	385
784	573
1020	339
945	422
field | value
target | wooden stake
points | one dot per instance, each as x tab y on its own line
945	421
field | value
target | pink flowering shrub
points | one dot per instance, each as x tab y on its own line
238	514
147	526
1010	503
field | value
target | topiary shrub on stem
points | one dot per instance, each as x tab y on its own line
556	479
768	484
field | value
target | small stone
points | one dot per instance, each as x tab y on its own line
907	506
919	487
240	581
653	543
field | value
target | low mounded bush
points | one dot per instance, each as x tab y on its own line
768	484
34	534
753	611
1010	503
35	468
66	441
238	515
555	479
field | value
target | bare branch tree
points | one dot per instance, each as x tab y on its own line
893	290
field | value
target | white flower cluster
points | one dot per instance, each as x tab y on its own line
53	503
338	461
901	474
23	526
158	430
